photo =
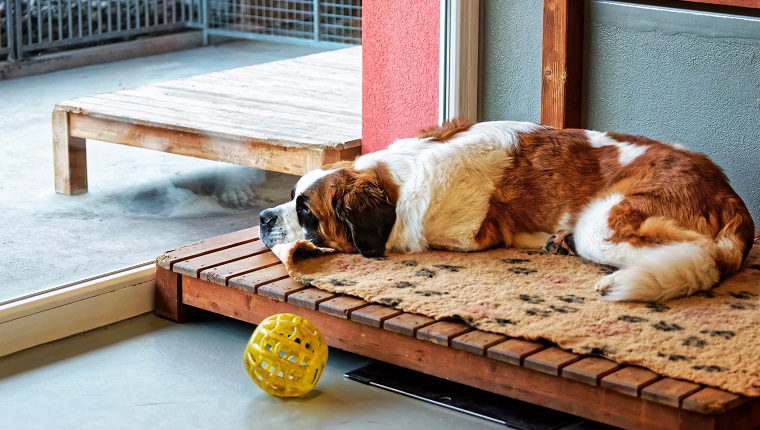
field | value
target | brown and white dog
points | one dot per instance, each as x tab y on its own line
664	215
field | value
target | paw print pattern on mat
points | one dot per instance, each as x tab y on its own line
564	309
431	293
571	298
342	282
663	326
694	341
515	260
504	322
725	334
658	307
425	273
531	299
522	270
710	369
675	357
632	319
538	312
449	267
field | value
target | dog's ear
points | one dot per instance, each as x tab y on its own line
367	211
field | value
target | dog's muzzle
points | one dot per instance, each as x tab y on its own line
268	223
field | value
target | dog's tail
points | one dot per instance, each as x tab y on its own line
682	268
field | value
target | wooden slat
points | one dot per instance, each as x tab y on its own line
562	63
199	98
629	380
289	121
407	323
551	360
256	85
209	245
442	332
669	391
477	342
222	273
193	266
166	118
280	290
594	403
514	351
250	281
374	315
342	306
153	108
711	401
310	298
590	370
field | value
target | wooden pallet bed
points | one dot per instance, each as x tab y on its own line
237	276
289	116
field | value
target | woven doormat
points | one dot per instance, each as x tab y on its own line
712	338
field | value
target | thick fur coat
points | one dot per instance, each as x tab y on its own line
665	216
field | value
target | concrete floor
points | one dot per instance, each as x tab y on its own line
147	372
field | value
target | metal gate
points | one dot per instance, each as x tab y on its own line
319	20
33	27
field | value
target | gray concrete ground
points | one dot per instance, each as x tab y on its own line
141	203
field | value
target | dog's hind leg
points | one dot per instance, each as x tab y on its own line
657	259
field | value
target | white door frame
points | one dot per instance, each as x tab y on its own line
458	71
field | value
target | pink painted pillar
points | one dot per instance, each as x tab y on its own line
400	50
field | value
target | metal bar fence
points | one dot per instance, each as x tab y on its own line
338	21
31	27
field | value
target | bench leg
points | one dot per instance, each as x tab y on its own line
69	157
169	295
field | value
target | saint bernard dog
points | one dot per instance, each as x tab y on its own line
665	216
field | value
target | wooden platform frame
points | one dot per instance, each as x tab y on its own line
270	116
237	276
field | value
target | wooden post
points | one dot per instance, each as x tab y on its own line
562	63
69	156
169	295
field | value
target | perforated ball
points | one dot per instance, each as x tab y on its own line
286	355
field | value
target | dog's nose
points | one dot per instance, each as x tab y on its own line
267	216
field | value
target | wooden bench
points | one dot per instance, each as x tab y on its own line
237	276
289	116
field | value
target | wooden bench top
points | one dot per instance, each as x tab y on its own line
237	276
310	101
289	116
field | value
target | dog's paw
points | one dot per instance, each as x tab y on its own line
607	284
237	198
561	243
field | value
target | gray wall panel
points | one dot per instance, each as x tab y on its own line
679	76
511	60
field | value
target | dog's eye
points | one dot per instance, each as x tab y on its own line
305	210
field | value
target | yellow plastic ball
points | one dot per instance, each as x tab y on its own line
286	355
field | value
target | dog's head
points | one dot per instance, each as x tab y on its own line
338	207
